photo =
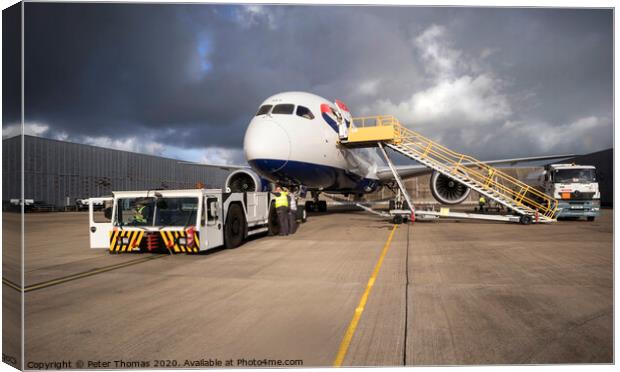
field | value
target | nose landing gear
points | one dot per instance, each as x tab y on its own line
316	205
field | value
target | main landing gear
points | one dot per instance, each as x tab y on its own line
316	205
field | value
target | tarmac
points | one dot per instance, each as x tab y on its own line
437	293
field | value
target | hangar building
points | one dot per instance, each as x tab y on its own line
58	173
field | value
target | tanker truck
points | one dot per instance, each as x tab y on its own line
576	189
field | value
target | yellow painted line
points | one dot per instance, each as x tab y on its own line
100	270
348	336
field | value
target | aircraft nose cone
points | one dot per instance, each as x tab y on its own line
267	145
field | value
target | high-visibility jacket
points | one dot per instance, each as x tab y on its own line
139	217
482	200
282	200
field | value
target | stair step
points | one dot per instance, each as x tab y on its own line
445	169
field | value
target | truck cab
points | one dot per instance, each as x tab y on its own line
576	189
177	221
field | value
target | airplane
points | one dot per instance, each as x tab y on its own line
293	141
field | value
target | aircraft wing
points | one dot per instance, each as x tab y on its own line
221	166
408	171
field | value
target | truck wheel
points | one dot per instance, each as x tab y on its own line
398	219
591	218
272	223
234	229
322	206
525	219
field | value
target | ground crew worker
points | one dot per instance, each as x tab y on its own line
281	204
140	215
482	201
292	214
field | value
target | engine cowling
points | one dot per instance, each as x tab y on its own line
245	180
447	190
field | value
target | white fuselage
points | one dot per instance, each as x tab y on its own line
299	146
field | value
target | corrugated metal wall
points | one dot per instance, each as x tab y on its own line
55	170
11	168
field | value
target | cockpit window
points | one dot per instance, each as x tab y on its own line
304	112
285	108
263	110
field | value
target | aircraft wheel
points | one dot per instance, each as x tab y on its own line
234	229
398	219
525	219
591	218
392	204
310	206
322	204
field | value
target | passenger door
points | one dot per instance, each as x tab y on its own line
344	119
100	222
213	225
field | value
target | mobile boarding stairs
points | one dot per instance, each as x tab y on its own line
528	203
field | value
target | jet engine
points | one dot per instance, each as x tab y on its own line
447	190
245	180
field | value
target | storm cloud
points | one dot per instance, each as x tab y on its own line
183	80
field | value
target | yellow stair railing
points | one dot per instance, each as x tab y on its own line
495	182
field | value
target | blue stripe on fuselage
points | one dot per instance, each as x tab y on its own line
330	121
313	176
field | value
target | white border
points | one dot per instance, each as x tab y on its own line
477	3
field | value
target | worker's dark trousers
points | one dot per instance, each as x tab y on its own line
292	221
283	219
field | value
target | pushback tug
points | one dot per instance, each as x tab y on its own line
180	221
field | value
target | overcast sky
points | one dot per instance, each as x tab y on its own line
183	81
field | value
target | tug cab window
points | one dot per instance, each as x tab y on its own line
304	112
263	110
211	211
285	109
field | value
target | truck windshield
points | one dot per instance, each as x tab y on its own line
176	211
157	212
574	176
135	211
